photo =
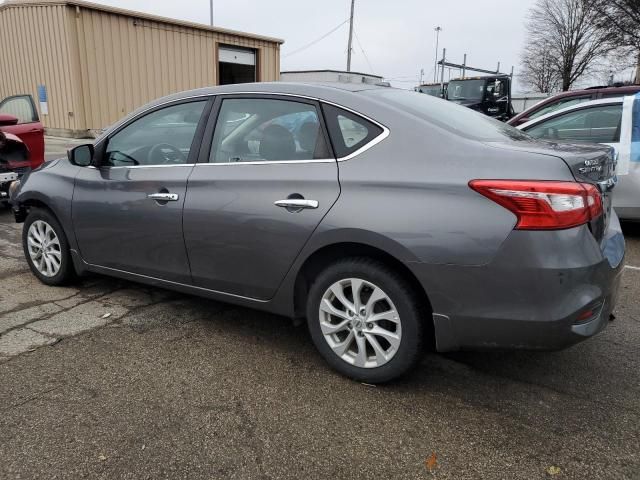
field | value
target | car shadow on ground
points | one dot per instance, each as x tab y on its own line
631	229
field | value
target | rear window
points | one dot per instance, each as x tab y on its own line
449	116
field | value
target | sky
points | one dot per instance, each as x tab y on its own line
394	38
397	37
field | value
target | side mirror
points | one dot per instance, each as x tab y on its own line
82	155
7	120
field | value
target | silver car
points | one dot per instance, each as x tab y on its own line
394	222
596	121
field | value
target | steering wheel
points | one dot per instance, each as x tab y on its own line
158	154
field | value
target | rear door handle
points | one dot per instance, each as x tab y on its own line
296	203
163	197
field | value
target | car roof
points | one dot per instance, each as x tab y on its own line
310	89
579	106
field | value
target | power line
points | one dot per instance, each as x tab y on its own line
364	53
310	44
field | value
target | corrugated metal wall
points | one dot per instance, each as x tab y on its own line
98	65
127	62
35	50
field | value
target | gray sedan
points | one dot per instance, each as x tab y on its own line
394	222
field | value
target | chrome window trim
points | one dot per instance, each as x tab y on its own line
267	162
372	143
146	166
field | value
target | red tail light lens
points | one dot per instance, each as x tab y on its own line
543	205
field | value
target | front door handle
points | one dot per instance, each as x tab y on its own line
296	203
163	197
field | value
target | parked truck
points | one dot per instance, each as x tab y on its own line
490	95
433	89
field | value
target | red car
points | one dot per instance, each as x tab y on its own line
573	97
18	116
21	140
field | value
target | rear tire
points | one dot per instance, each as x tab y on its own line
46	248
374	336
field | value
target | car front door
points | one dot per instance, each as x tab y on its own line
258	193
28	129
127	212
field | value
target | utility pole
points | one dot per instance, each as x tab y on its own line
211	12
353	4
444	59
435	64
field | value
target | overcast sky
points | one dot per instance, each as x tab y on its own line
397	37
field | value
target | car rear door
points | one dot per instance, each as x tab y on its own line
264	181
29	129
598	123
127	212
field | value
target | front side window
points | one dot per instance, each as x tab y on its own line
349	132
21	107
552	107
267	130
162	137
595	124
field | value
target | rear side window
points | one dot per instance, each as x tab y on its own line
349	132
267	130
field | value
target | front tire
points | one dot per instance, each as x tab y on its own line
46	248
366	320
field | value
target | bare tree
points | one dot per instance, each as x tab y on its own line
569	30
538	68
620	19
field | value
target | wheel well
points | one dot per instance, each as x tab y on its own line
320	259
25	206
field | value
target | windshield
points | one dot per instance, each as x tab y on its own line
447	115
433	90
466	90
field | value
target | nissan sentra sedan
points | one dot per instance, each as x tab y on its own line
394	222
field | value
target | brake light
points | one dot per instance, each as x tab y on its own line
543	205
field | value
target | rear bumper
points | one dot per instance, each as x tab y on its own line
533	295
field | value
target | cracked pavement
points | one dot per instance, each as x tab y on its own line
109	379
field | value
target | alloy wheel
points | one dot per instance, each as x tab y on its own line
360	323
44	248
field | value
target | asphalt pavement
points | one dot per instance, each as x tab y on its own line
109	379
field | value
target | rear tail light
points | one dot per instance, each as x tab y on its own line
544	205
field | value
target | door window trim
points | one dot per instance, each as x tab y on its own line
212	108
205	150
204	159
102	143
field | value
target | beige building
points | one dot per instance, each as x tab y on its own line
87	65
